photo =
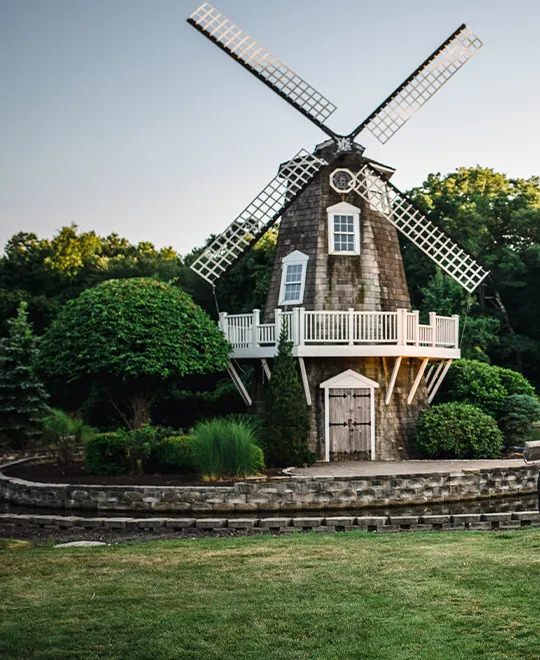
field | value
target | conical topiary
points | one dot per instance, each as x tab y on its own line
23	407
286	415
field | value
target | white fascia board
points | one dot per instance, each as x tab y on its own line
342	350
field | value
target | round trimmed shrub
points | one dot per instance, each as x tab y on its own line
518	415
514	382
458	430
106	453
173	454
476	383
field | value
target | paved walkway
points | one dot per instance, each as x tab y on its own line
361	468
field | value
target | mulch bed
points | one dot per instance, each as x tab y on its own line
75	473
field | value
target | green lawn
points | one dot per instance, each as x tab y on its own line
399	597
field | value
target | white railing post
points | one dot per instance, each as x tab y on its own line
401	327
433	325
351	325
223	323
300	323
255	327
456	330
416	327
277	330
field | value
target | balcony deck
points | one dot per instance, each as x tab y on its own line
344	334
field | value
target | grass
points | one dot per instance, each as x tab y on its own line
396	597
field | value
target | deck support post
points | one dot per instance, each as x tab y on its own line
438	382
239	384
417	380
305	380
266	368
393	379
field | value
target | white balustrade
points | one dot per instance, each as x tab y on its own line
341	327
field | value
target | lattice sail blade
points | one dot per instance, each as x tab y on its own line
245	230
385	198
419	87
254	57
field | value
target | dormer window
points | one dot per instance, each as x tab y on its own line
343	229
293	278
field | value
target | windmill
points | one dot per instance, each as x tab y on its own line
368	365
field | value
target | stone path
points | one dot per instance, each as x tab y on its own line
362	468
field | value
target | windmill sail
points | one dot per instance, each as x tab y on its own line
258	217
254	57
421	85
385	198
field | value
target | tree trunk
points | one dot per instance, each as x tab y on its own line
140	408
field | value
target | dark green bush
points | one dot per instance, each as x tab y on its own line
519	413
105	453
514	382
222	448
174	454
139	446
476	383
458	430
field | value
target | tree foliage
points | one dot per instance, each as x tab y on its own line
286	414
519	413
23	407
497	219
133	336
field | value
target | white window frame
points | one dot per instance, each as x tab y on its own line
343	208
295	258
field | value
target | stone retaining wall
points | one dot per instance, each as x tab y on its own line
286	493
465	521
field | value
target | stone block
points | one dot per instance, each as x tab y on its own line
532	451
404	520
454	526
509	524
526	516
480	526
367	522
421	527
497	517
388	528
462	518
211	523
340	522
180	523
435	519
308	523
242	523
151	523
275	523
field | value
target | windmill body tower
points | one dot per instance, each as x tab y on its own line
338	286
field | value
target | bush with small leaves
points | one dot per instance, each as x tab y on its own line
106	453
458	430
514	382
174	454
139	446
519	413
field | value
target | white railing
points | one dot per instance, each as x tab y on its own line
348	327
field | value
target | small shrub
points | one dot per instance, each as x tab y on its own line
139	446
458	430
519	413
476	383
63	433
514	382
224	448
105	453
174	454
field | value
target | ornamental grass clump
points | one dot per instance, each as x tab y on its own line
224	448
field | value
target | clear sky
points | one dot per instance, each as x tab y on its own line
119	116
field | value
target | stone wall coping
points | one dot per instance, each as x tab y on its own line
285	493
444	522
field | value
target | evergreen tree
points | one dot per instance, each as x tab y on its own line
286	413
23	407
